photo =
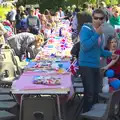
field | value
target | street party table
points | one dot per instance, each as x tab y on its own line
50	65
59	43
25	85
57	49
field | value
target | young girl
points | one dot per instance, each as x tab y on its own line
112	45
48	30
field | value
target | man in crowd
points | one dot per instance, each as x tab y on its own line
33	22
61	13
84	16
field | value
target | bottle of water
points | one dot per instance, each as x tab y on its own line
105	81
105	88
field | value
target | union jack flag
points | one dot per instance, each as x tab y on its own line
73	67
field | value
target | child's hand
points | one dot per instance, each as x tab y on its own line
103	69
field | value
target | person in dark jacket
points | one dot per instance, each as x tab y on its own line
84	17
18	19
75	50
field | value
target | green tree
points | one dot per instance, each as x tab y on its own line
78	2
51	4
114	2
108	2
93	1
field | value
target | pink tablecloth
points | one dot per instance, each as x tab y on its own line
25	82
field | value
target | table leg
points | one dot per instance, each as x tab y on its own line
59	109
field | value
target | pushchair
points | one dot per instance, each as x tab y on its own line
9	68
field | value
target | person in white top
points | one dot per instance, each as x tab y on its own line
48	31
61	13
12	19
13	13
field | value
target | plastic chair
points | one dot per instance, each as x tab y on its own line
104	97
108	111
43	108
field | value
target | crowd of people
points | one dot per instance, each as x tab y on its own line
95	34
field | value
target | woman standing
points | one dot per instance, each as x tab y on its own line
91	49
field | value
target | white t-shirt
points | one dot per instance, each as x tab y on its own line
61	14
75	22
47	33
13	15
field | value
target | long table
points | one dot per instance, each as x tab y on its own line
24	85
56	46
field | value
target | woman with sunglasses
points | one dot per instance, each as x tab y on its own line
91	49
115	19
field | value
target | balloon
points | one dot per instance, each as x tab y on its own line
115	84
110	73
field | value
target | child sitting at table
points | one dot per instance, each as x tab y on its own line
112	45
48	30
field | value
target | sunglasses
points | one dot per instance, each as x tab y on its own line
100	18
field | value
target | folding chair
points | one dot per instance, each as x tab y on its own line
78	87
79	92
108	111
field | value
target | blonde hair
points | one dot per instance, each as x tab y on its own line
39	40
53	24
49	25
115	8
21	8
